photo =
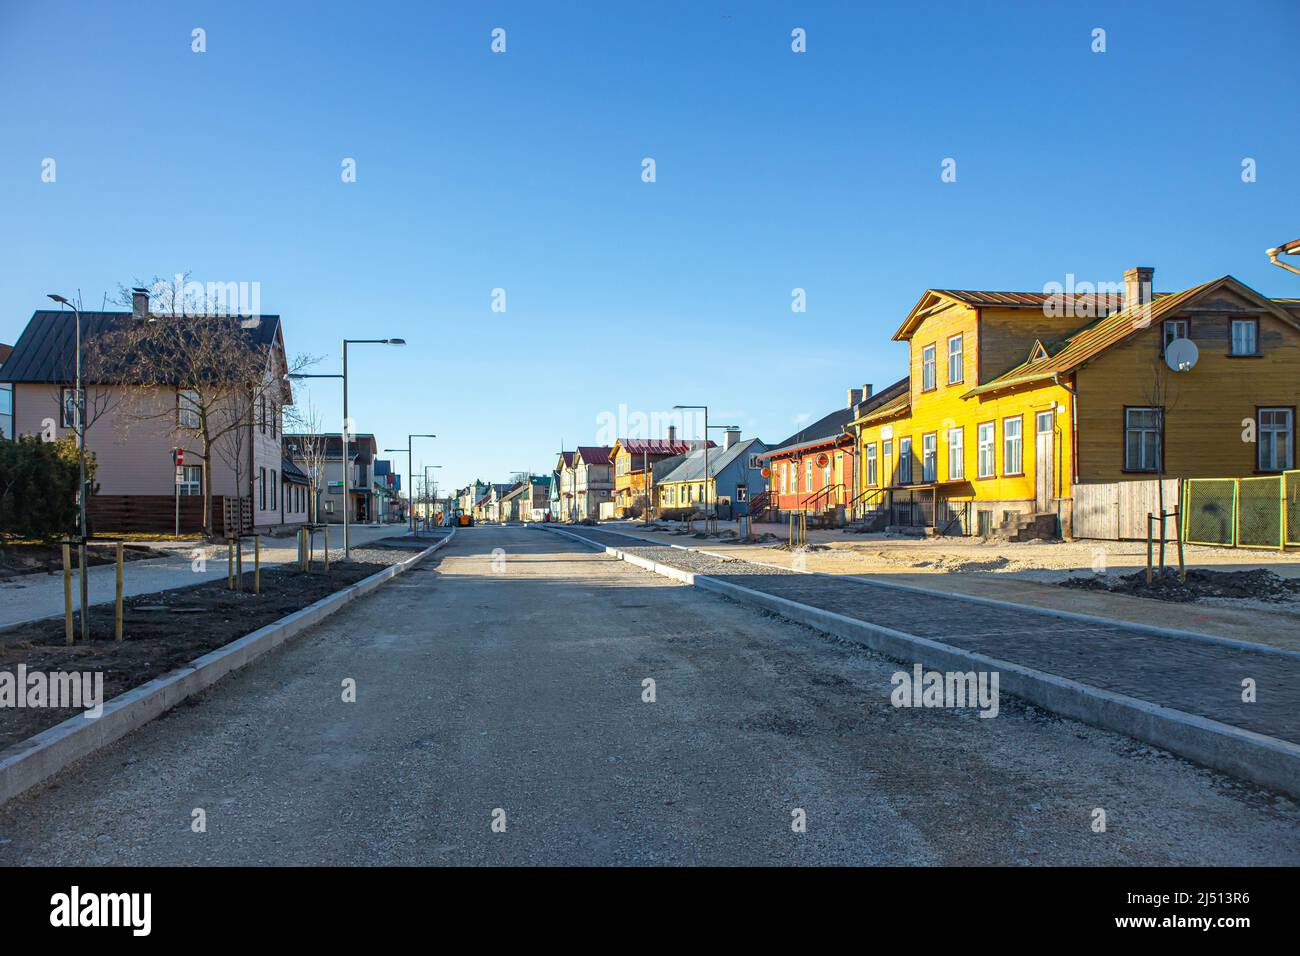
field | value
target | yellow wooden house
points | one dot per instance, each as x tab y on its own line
1015	399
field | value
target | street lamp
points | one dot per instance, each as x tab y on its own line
1291	248
706	448
78	422
343	452
410	473
428	502
347	478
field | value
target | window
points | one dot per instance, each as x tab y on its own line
274	485
1174	329
261	414
954	360
807	474
871	463
191	481
929	456
6	399
1276	439
1012	447
67	407
1142	439
261	484
905	461
985	440
187	408
927	368
275	420
1245	337
956	453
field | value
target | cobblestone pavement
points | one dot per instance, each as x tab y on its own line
1184	674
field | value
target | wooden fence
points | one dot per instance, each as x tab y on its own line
156	514
1115	511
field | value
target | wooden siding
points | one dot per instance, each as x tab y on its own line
1207	409
1117	510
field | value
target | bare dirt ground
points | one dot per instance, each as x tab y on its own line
168	629
41	558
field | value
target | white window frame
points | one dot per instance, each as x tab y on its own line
929	457
986	445
67	407
960	357
956	453
870	459
1173	329
1152	430
1281	427
191	484
1253	325
929	373
187	409
1013	446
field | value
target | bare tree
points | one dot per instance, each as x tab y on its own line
309	442
210	361
1161	395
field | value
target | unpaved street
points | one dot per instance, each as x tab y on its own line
508	676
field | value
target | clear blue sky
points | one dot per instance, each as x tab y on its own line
522	171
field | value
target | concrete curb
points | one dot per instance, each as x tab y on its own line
1078	616
1263	760
34	760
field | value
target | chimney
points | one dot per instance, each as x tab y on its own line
1137	286
866	392
140	304
672	433
855	396
730	437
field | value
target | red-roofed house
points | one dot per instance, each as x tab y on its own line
632	459
594	480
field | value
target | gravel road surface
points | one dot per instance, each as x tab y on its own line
505	681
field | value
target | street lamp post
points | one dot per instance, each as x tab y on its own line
347	477
706	448
78	422
343	449
410	473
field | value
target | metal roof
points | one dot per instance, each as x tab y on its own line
46	350
594	454
828	428
692	465
656	446
1096	337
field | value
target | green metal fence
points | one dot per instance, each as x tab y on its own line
1261	512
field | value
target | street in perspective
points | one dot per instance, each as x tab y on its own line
570	444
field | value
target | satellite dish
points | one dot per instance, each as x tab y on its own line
1181	355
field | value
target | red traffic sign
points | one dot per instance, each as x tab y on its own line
179	455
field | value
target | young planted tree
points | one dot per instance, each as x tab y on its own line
203	370
309	442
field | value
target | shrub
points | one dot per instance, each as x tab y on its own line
38	487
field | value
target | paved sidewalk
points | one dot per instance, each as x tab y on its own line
1254	622
30	597
1196	677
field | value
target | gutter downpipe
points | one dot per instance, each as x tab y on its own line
1074	440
